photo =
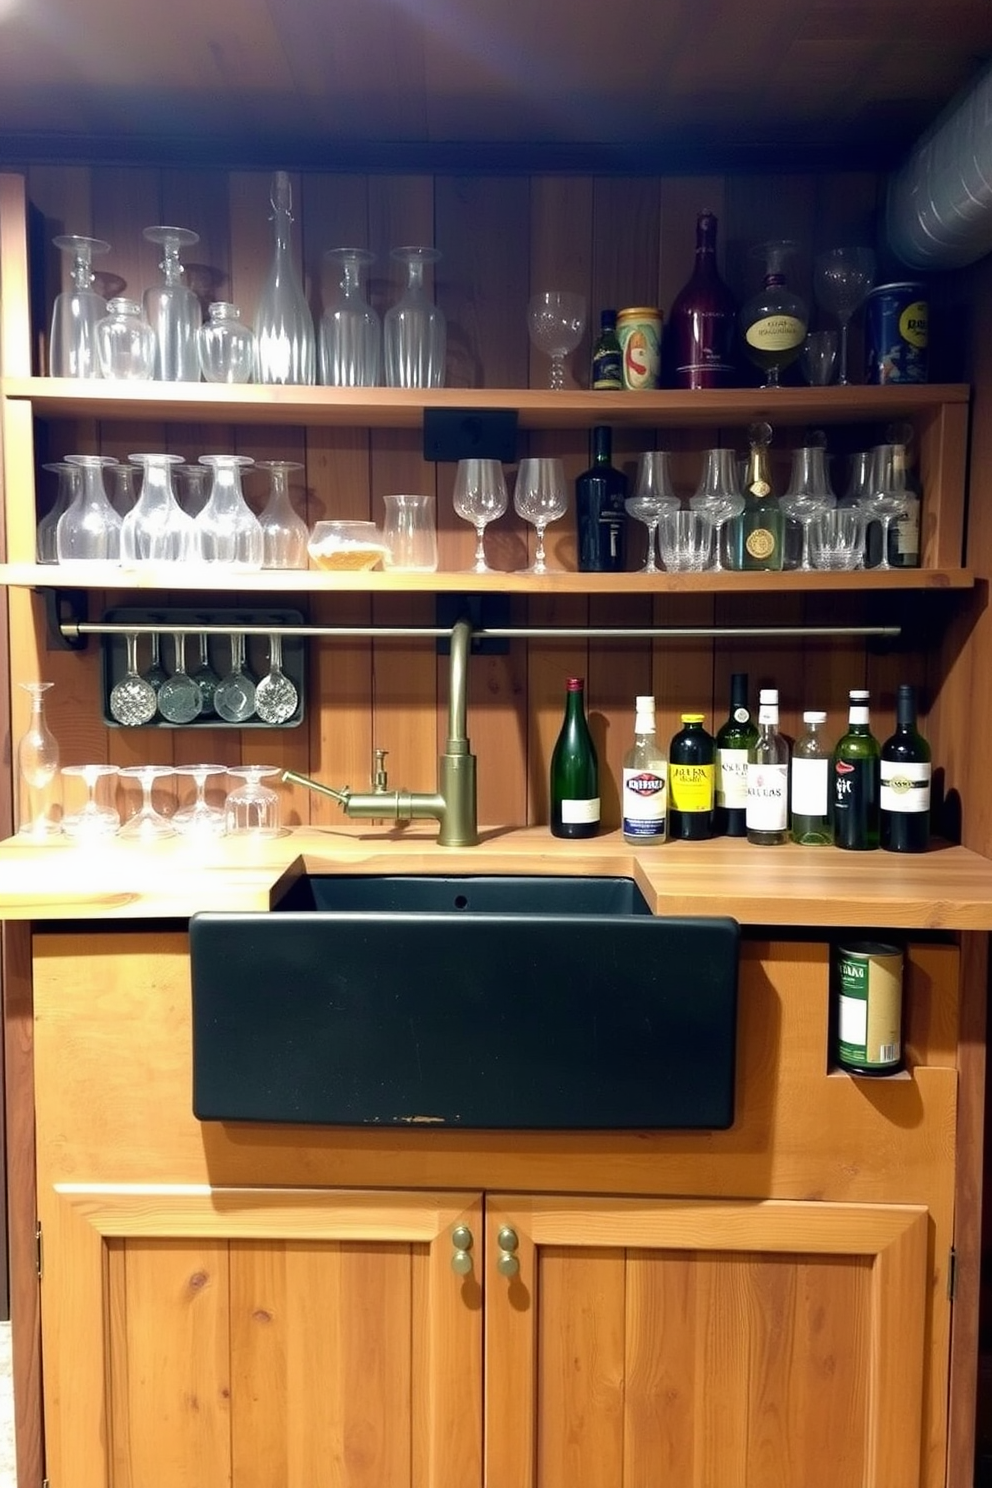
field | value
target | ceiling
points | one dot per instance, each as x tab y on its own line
482	83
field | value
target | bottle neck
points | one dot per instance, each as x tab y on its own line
705	243
738	691
858	720
602	445
905	713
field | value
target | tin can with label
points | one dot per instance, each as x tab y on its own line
896	334
639	334
868	980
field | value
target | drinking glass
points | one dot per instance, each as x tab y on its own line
480	497
234	695
204	676
72	348
888	496
718	495
856	493
89	528
68	484
819	357
837	539
414	330
410	534
172	310
133	701
556	319
540	497
252	809
284	534
842	278
155	673
39	814
686	540
193	483
123	495
126	342
147	824
276	697
200	819
350	332
809	493
225	348
653	494
156	529
227	531
92	820
179	697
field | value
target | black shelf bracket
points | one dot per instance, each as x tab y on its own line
64	610
483	611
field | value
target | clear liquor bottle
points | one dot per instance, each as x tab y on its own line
810	785
768	777
645	780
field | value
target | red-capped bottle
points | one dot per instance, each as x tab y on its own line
703	320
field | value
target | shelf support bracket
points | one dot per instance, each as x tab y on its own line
64	610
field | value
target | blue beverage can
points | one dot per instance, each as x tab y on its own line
896	339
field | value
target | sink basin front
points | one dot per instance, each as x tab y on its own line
486	1002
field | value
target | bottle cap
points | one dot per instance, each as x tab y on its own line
814	718
644	704
859	694
576	684
768	695
693	717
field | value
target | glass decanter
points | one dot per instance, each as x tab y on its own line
126	342
774	320
72	347
414	330
284	534
69	480
227	529
225	347
39	796
173	311
350	332
156	529
90	528
285	344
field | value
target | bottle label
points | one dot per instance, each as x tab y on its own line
691	787
607	370
905	787
731	777
741	715
760	543
810	787
776	333
768	797
580	812
855	802
869	1008
644	802
907	535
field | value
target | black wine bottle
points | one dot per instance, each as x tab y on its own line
574	771
600	493
855	772
904	816
691	780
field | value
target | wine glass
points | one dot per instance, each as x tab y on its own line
200	819
480	497
89	528
252	809
227	530
204	675
194	487
887	497
350	333
653	494
133	701
72	350
91	820
414	330
809	494
276	696
718	495
556	319
841	279
147	824
284	534
156	529
155	672
234	695
68	485
540	496
179	697
39	796
172	310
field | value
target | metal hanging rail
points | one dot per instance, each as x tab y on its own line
77	630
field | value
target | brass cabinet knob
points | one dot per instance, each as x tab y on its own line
507	1263
461	1239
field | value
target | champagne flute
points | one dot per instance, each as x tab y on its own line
480	497
888	496
718	495
841	279
556	319
540	496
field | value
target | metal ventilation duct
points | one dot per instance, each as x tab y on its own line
939	204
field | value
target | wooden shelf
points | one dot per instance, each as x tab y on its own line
398	408
112	576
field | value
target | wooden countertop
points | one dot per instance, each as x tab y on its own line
948	888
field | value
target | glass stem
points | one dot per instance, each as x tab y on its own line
842	355
651	566
480	548
557	372
539	557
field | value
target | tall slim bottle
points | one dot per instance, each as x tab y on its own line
810	785
856	779
600	493
285	338
734	738
645	781
757	536
904	816
574	771
691	780
702	322
768	777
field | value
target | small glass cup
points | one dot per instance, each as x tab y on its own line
410	534
819	358
252	809
343	545
837	539
685	539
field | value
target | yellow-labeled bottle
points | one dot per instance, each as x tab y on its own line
691	780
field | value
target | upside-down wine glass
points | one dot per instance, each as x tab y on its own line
89	528
147	824
91	820
540	496
200	819
414	330
653	494
480	497
284	534
39	814
156	529
72	348
252	809
172	310
842	278
227	530
556	319
69	479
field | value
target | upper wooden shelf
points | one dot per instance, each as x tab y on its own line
399	408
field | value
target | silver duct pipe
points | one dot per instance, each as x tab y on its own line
938	205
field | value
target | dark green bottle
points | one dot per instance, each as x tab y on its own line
607	357
855	772
734	738
691	780
600	493
574	771
905	767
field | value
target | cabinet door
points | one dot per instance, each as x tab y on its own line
687	1343
259	1337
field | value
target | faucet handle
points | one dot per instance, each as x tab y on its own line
380	780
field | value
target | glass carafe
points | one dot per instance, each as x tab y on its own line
39	814
156	529
414	331
226	348
350	333
172	310
126	342
284	534
89	528
72	348
227	529
285	344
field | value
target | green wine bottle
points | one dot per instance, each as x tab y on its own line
574	771
855	775
733	740
905	781
757	536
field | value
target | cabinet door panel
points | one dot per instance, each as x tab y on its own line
691	1343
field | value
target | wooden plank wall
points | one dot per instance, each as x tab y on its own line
621	241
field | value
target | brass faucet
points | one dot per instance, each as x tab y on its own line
454	803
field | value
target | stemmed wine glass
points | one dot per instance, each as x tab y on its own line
89	528
284	534
887	497
147	824
808	495
72	350
841	279
172	310
480	497
200	819
718	495
92	819
540	496
156	529
414	330
68	486
133	701
39	813
653	494
556	319
179	697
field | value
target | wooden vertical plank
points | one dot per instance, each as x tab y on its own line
661	1369
561	257
618	672
15	326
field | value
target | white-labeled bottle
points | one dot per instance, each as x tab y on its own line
645	781
810	783
768	777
